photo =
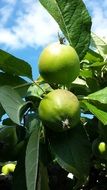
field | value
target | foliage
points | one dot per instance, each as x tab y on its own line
37	151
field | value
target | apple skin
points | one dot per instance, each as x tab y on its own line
59	110
8	168
59	64
99	149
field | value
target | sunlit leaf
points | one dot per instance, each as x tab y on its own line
13	65
74	21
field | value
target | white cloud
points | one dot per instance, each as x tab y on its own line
98	11
36	27
5	13
8	38
9	1
6	9
31	25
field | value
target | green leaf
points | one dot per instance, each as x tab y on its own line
72	151
19	178
12	103
31	160
22	89
100	114
98	64
79	87
43	181
99	44
7	121
32	121
93	56
13	65
100	96
36	91
92	84
12	80
74	21
9	135
2	112
86	73
16	82
103	131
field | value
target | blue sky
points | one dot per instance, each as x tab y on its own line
26	27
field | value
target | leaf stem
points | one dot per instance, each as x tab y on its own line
28	84
22	85
81	97
36	83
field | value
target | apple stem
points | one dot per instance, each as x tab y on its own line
61	39
22	85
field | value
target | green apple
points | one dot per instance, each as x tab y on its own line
8	168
